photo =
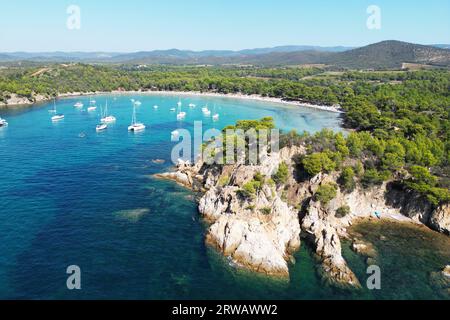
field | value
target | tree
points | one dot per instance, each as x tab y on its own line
318	162
326	192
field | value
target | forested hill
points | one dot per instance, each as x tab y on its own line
382	55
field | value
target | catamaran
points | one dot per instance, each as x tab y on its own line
57	116
135	126
79	104
3	122
107	118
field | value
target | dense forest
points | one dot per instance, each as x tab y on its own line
400	120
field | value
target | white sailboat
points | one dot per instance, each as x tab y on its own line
57	116
107	118
215	116
181	114
101	127
3	122
175	135
206	111
179	103
135	126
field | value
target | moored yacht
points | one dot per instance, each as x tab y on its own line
57	116
101	127
135	126
3	122
107	118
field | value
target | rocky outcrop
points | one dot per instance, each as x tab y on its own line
261	231
440	219
441	281
319	226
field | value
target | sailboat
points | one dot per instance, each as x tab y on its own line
175	135
179	103
206	111
57	116
216	116
101	126
106	118
135	126
181	114
92	107
3	122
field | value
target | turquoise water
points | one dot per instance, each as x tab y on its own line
71	196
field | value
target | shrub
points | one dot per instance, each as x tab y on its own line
224	181
347	179
326	192
342	211
282	174
266	211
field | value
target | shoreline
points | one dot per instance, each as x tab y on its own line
255	97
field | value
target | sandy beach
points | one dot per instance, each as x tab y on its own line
18	101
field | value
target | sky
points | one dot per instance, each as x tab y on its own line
142	25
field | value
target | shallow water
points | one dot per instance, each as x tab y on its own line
71	196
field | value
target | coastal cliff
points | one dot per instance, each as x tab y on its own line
261	230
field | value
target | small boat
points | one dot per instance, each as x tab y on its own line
3	123
57	116
92	102
107	118
191	105
173	110
135	126
137	103
92	108
101	127
175	135
179	104
155	107
216	116
181	114
206	112
79	104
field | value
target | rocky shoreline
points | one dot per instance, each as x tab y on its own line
262	232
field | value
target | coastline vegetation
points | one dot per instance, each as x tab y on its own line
399	121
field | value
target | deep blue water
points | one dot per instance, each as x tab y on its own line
71	196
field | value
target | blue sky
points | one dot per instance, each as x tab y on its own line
135	25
